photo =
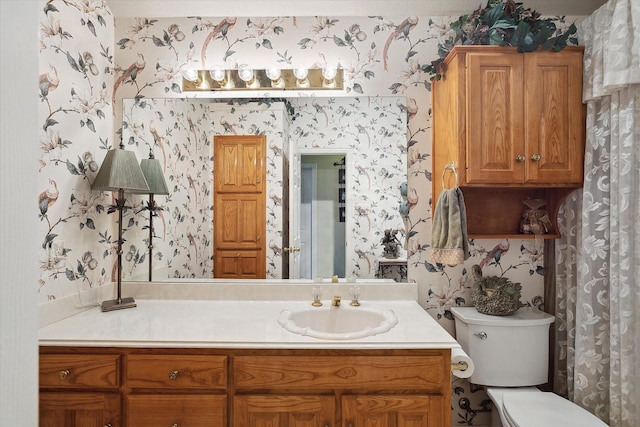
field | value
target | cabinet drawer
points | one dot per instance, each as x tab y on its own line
178	410
176	371
79	370
340	372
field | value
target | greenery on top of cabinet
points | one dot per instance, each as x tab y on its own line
503	23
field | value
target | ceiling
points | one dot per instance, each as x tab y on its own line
255	8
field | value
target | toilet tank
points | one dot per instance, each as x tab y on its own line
507	351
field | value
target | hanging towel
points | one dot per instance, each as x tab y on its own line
449	243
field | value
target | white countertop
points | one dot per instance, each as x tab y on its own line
187	323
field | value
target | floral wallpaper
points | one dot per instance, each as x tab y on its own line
90	62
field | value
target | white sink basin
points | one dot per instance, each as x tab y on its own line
338	323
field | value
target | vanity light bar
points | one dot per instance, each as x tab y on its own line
269	79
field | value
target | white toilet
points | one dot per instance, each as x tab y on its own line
510	355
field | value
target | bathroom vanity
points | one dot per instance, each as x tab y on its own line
182	362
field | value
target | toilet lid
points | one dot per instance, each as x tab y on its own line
535	409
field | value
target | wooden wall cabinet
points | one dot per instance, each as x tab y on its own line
248	388
514	126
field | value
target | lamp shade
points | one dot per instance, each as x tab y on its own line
152	171
120	171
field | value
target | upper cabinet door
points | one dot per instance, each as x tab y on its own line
554	117
495	107
239	164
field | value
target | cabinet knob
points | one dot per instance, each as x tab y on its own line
63	374
535	157
520	158
173	375
107	425
238	255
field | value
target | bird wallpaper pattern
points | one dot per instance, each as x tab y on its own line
89	62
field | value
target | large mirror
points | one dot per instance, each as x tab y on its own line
353	149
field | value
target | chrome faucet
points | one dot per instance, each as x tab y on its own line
336	301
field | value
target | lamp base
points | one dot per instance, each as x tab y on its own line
113	304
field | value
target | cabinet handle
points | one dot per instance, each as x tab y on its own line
107	425
173	375
175	425
535	157
238	255
482	335
520	158
63	374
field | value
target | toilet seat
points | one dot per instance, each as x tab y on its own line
535	409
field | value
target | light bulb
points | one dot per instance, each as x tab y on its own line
217	74
329	73
301	77
190	74
300	73
273	73
245	73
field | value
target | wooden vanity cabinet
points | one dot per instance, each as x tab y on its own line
513	124
367	389
246	388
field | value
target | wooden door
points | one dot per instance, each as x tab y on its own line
554	116
283	411
397	410
79	409
239	207
494	109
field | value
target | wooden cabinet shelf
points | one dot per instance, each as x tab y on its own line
513	124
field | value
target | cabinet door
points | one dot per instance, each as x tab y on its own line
392	410
495	107
554	117
283	411
176	410
71	409
239	163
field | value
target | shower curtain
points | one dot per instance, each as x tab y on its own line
597	328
